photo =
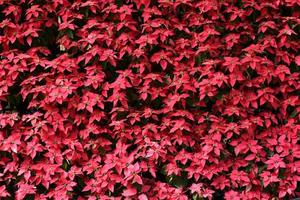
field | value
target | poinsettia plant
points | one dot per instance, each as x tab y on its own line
149	99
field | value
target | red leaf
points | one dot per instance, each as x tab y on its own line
129	192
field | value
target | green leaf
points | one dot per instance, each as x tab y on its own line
177	181
293	114
66	165
70	34
201	58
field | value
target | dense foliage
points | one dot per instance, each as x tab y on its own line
140	99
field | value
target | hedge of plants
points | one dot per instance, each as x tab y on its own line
149	99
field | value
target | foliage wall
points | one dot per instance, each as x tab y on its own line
149	99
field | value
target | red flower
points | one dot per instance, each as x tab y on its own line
275	162
141	99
